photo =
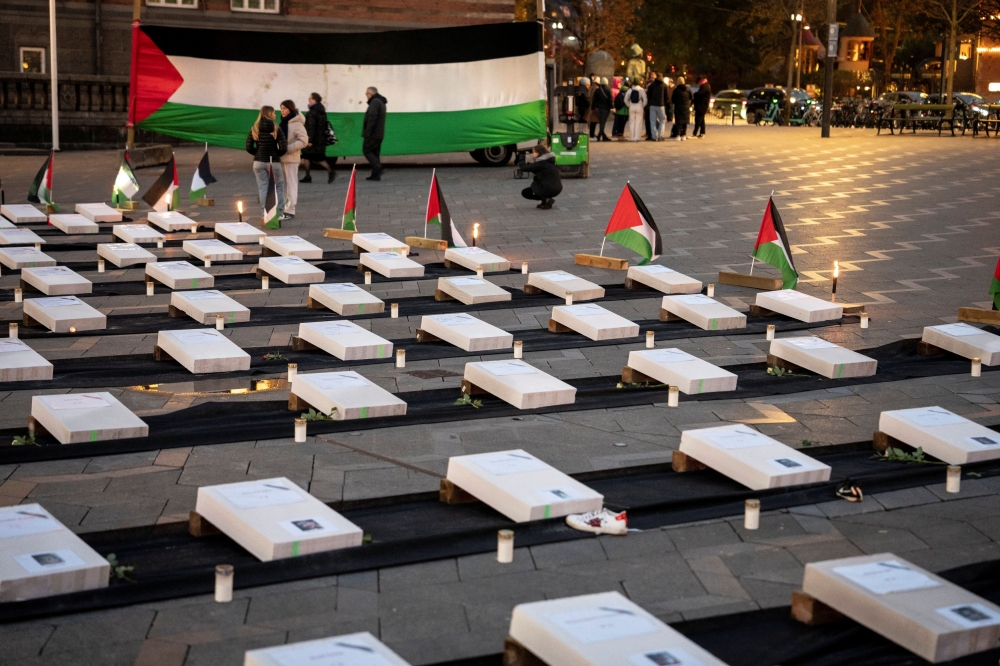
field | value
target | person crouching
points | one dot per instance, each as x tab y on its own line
547	183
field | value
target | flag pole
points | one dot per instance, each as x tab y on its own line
602	245
433	177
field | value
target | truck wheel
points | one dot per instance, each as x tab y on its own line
497	156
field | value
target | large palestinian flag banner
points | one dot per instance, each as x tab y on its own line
772	246
448	89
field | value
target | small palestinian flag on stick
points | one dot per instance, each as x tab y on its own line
633	227
995	287
437	213
164	194
202	178
41	188
349	222
772	247
126	184
272	212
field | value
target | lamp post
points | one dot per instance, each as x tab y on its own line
831	57
54	74
796	29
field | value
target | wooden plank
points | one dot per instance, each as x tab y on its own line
531	289
297	404
882	441
468	388
298	344
441	296
682	462
339	234
424	336
927	349
811	611
633	376
758	311
612	263
775	362
752	281
669	316
515	654
556	327
160	355
427	243
979	316
199	527
449	493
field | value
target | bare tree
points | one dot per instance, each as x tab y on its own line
603	25
954	13
889	18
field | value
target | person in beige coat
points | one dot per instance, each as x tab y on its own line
294	126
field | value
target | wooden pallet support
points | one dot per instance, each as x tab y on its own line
175	312
633	376
977	316
682	462
775	362
199	527
449	493
428	244
313	304
556	327
268	252
927	349
27	320
611	263
515	654
811	611
339	234
160	355
297	404
752	281
424	336
27	287
205	202
261	273
531	289
882	441
669	316
853	309
468	388
637	286
758	311
441	296
36	429
298	344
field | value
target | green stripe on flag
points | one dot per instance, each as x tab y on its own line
772	254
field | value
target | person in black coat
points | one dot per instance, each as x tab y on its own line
702	100
602	104
681	99
266	142
547	183
314	154
373	131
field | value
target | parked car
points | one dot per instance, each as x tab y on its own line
760	99
902	97
963	101
728	100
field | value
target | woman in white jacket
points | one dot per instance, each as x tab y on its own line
635	100
294	127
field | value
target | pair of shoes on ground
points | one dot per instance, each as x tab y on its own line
599	522
546	204
287	216
376	175
329	177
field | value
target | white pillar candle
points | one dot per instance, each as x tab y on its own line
13	330
770	331
650	339
505	546
220	323
72	329
394	310
400	358
368	277
300	431
710	290
518	347
224	583
673	396
751	515
208	263
159	243
479	271
293	370
953	481
38	246
977	367
524	268
864	320
569	298
150	288
18	295
100	265
194	228
260	240
265	282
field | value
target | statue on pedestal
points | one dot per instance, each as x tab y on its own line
636	68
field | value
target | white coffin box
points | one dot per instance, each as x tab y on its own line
21	363
137	233
688	373
171	221
291	270
466	332
594	322
40	557
473	257
706	313
558	283
941	433
73	418
61	313
203	306
99	212
239	232
604	629
822	357
71	223
519	384
379	242
19	237
799	306
391	264
751	458
274	519
6	224
56	280
346	299
211	249
293	246
664	279
965	340
203	350
472	290
520	486
353	396
24	257
180	275
124	254
22	213
345	340
349	650
924	613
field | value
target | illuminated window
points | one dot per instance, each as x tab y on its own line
857	50
965	50
185	4
264	6
995	86
32	60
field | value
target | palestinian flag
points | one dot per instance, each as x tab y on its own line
995	287
632	226
41	188
164	194
202	178
182	83
772	246
272	212
350	205
126	184
437	213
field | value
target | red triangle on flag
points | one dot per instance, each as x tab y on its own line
626	214
767	233
433	205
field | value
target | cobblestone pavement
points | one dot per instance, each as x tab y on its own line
911	219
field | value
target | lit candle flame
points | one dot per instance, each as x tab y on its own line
239	206
836	268
475	230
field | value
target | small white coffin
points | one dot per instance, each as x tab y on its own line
799	306
42	558
664	279
6	224
520	486
941	433
212	250
293	246
21	363
519	384
171	221
24	257
474	257
823	357
346	299
203	351
558	283
706	313
19	237
73	418
379	242
203	306
466	332
239	232
688	373
594	322
752	458
349	650
345	340
291	270
99	212
604	629
180	275
472	290
71	223
924	613
22	213
391	264
125	254
275	519
56	280
350	394
137	233
61	313
964	340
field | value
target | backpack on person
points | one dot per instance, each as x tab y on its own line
620	100
635	97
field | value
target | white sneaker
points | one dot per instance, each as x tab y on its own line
599	522
675	138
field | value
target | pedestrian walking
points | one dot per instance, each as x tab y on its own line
635	100
547	183
668	107
681	100
602	104
583	100
621	111
314	154
592	117
702	100
267	144
293	125
373	131
657	116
